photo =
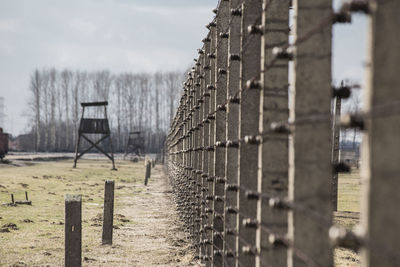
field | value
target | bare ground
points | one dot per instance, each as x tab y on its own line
157	237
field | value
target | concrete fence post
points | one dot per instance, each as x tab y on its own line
310	169
196	156
210	120
380	218
184	154
336	152
73	231
200	144
207	235
230	250
108	212
273	150
248	126
221	64
189	155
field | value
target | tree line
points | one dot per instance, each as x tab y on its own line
143	102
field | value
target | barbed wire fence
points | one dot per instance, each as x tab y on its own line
250	148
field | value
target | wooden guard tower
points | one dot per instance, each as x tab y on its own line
135	144
94	126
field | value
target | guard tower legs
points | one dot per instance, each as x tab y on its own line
112	154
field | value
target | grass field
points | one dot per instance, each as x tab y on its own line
34	235
348	214
36	232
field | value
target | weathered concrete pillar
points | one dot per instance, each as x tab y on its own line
73	231
189	176
248	126
336	152
207	238
380	217
273	150
220	128
310	168
232	134
196	162
200	145
211	135
108	212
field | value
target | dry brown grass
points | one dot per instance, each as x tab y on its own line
348	215
149	231
39	237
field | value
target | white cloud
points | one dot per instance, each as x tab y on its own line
119	35
83	26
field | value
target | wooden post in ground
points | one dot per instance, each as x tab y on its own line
380	216
249	125
108	213
273	150
232	134
73	231
310	170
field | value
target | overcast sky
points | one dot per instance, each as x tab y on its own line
119	35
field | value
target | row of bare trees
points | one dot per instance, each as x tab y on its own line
142	102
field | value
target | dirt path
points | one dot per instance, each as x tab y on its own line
156	238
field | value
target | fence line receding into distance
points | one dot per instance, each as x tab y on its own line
250	150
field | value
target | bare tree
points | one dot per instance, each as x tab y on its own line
138	102
35	87
157	89
102	84
77	79
118	88
66	86
45	103
52	96
172	81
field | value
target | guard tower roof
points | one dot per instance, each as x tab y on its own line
94	104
